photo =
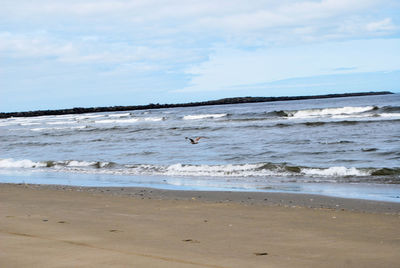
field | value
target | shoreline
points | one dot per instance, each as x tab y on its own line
62	226
381	193
313	201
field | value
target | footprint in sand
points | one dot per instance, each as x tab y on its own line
260	253
191	241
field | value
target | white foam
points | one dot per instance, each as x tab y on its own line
334	171
60	123
64	116
153	119
7	123
39	129
203	116
119	115
84	117
117	121
25	163
390	115
78	127
230	170
55	128
345	116
75	163
246	170
252	170
29	124
331	112
58	165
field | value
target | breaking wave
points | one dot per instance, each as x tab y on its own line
88	116
327	112
61	123
339	123
116	121
56	128
119	115
203	116
129	120
259	170
26	163
391	109
348	114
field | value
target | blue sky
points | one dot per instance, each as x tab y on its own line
66	53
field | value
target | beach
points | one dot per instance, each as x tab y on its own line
64	226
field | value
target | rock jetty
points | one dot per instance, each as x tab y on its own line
81	110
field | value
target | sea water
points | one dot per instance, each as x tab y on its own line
346	147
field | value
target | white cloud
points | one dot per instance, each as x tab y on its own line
190	25
289	13
20	46
382	25
228	69
78	51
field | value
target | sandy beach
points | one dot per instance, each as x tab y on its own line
61	226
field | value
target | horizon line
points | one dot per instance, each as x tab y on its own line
223	101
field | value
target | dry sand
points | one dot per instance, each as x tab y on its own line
58	226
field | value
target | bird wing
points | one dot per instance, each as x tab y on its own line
198	138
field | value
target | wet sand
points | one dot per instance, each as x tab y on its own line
62	226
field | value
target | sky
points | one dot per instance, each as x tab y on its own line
68	53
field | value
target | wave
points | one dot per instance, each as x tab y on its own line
340	112
325	112
117	121
335	172
56	128
119	115
86	117
391	109
203	116
60	123
257	170
6	122
29	124
349	114
130	120
75	163
153	119
389	115
34	144
35	121
324	123
103	128
26	163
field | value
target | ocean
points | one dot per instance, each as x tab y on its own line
343	147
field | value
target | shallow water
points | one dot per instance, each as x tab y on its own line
347	147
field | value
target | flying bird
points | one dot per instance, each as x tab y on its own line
195	140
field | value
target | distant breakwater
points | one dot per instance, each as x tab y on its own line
237	100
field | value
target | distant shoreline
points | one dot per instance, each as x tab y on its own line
237	100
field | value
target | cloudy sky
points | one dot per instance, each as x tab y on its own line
67	53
